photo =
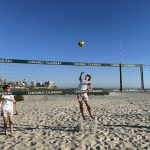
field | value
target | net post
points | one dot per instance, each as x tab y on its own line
120	66
142	77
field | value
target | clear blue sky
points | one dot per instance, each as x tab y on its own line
51	29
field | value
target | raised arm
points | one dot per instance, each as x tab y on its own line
80	78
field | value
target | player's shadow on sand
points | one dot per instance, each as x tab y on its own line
52	128
128	126
1	130
61	128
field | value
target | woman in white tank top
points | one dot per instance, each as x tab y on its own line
7	103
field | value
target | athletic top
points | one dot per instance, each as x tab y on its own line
83	86
7	102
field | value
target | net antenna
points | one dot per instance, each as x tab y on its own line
120	50
120	65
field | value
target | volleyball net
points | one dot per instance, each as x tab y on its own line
146	69
54	77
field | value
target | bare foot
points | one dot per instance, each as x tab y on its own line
84	118
5	133
11	135
92	117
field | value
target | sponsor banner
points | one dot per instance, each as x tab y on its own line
6	93
32	93
66	63
75	92
6	61
131	65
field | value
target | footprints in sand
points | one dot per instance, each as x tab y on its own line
51	123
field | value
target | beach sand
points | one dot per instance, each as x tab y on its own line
52	122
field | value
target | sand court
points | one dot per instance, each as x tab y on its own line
51	122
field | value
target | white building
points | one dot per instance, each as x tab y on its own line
33	83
